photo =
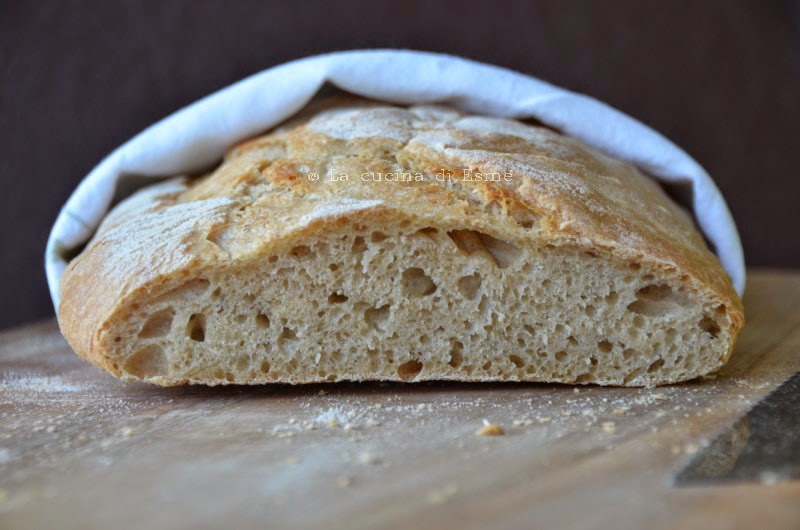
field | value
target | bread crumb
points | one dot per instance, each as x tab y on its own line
609	427
442	495
490	429
344	481
690	448
368	458
126	432
771	478
292	421
51	428
618	411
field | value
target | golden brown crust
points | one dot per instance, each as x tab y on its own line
560	192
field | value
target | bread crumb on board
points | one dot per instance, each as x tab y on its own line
609	427
490	429
442	495
369	458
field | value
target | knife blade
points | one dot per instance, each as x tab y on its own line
762	446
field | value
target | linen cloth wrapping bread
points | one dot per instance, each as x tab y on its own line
197	136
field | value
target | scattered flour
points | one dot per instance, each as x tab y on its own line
38	383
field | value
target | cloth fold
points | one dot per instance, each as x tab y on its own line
196	136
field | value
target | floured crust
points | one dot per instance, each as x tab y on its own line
261	201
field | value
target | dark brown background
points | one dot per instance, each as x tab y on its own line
720	78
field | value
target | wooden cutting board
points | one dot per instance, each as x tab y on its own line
79	449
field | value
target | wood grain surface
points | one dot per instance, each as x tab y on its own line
79	449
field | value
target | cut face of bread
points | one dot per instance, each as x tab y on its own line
576	270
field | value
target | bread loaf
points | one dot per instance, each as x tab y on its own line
370	242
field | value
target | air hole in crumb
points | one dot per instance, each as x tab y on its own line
189	289
147	362
634	374
300	251
500	252
710	326
288	334
416	283
456	353
525	219
572	341
240	319
377	316
469	286
217	293
196	328
486	366
158	324
337	298
635	266
593	360
604	346
272	259
377	237
264	367
516	360
262	320
656	300
409	370
590	310
561	356
334	267
358	245
428	232
628	353
655	366
583	378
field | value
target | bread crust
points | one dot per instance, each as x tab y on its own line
261	200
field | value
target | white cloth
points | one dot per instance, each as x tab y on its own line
197	136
